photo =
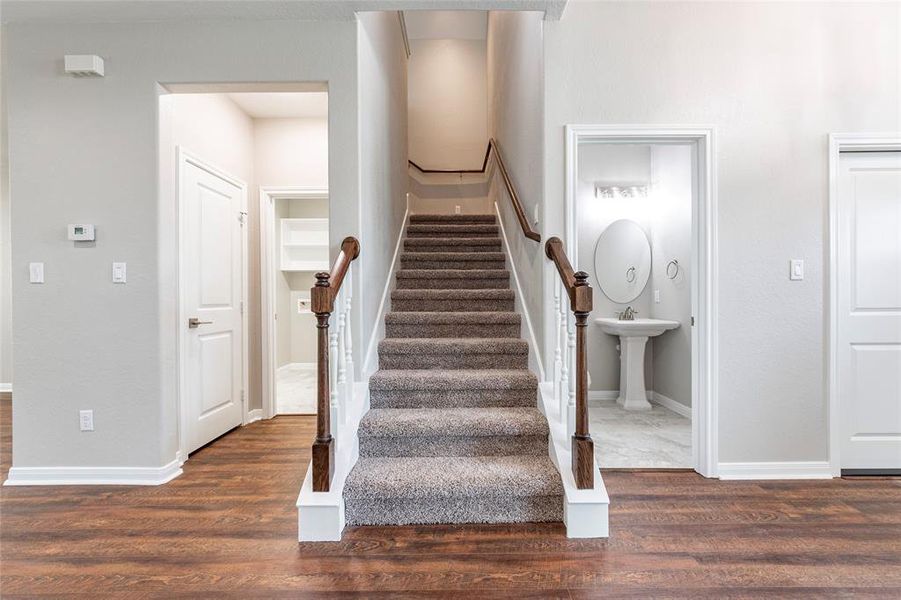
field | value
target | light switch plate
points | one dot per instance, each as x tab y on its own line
119	272
796	272
657	296
36	272
86	420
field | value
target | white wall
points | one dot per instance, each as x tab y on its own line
86	149
516	105
671	205
5	266
383	160
774	78
447	103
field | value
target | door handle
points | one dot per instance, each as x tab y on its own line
194	323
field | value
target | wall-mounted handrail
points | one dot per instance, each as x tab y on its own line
322	301
508	183
580	303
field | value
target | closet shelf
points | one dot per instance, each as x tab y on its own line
304	244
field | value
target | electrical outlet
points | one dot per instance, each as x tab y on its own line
457	209
657	296
86	420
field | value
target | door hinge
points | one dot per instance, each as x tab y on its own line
242	396
242	307
241	216
692	321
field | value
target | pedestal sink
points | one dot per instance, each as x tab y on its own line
633	337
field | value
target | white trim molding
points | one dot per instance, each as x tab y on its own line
535	362
6	387
95	475
705	338
838	143
268	196
776	470
254	415
370	361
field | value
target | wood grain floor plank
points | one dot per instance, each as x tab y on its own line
227	528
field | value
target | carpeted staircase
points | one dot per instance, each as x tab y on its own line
453	434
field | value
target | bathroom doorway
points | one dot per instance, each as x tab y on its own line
639	210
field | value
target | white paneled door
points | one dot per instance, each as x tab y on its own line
212	295
869	309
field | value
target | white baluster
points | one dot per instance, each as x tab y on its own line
563	398
342	365
348	337
558	351
334	408
571	359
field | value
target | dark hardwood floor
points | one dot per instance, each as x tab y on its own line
227	527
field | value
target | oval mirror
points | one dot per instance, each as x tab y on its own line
622	261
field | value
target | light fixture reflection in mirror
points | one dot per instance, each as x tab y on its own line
617	191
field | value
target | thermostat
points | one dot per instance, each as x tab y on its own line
81	233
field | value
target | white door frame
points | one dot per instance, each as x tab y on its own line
705	339
184	158
838	143
268	196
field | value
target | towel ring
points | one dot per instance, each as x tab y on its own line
630	274
672	267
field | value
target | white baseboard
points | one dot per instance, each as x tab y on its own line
299	366
254	415
667	402
94	475
6	387
664	401
535	362
378	332
776	470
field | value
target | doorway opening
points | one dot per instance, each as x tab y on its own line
220	145
640	221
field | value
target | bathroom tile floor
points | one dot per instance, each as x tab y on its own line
295	389
658	438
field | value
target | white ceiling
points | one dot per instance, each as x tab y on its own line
446	24
268	105
119	11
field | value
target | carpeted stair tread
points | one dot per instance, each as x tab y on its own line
453	244
453	379
485	477
471	279
453	318
426	218
453	353
465	230
475	422
416	346
452	294
452	256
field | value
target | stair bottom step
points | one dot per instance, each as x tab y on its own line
495	445
457	510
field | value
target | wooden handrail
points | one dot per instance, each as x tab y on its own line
580	303
322	302
508	183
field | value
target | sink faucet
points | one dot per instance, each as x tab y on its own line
628	314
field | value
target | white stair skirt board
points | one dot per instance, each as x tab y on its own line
320	515
370	360
776	470
95	475
527	331
654	397
585	512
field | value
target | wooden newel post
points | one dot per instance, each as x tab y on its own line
324	447
582	444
